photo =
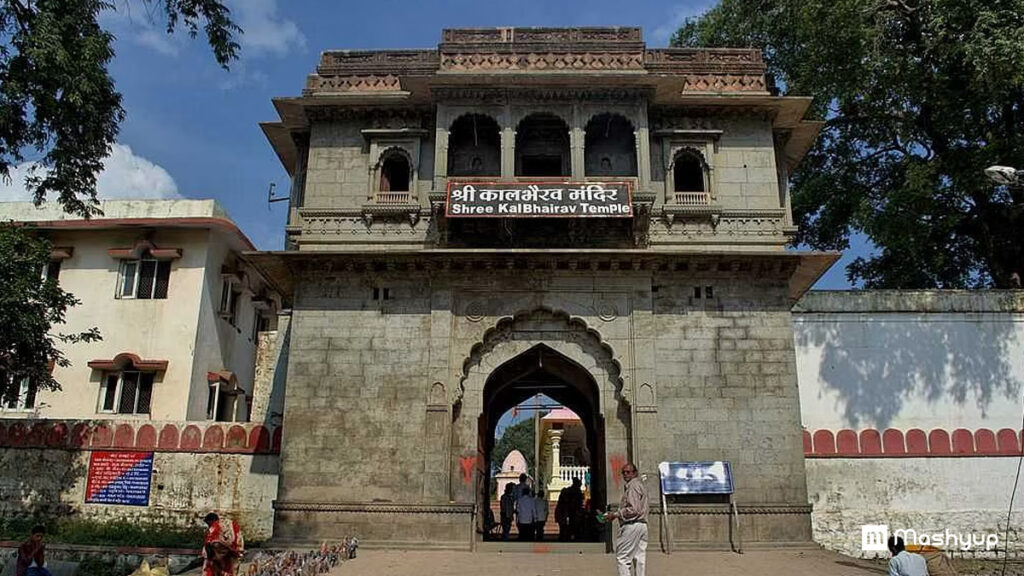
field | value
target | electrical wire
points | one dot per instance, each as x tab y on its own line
1009	511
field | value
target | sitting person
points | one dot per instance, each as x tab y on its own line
905	563
31	561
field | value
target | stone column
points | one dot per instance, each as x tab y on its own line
554	440
508	153
508	144
441	151
577	145
643	149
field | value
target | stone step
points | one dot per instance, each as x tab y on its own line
513	547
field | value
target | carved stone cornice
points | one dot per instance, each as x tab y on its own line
373	507
559	36
316	84
358	62
536	61
374	118
690	60
719	82
483	96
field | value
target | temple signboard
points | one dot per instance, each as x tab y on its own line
557	199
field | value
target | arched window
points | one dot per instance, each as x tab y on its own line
609	147
688	173
474	146
395	173
542	146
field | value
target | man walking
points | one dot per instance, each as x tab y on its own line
632	515
508	509
525	512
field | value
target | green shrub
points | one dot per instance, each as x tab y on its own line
114	533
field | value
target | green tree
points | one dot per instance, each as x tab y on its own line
519	436
29	307
59	105
918	96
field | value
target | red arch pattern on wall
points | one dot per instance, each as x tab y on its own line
913	443
152	437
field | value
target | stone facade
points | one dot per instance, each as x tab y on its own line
668	332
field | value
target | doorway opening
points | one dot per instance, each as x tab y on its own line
559	400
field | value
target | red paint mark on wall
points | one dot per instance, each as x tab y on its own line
466	464
615	463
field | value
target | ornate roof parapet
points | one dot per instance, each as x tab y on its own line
629	35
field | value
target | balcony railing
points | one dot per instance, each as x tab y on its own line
693	198
393	198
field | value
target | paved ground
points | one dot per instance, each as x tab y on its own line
752	563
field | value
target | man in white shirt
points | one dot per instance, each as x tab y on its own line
905	563
525	514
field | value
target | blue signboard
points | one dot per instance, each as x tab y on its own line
695	477
119	478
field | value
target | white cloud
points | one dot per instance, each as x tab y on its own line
124	175
679	13
239	76
265	32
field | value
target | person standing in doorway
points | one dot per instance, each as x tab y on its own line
540	515
569	512
507	509
631	544
524	515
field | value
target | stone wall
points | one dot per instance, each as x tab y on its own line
197	468
912	412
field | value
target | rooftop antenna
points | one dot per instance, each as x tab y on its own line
270	196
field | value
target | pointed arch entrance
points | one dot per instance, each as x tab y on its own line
542	351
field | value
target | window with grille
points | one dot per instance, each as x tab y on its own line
127	393
144	279
229	298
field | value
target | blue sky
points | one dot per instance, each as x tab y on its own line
192	128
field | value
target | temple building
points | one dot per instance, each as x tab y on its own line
564	455
537	210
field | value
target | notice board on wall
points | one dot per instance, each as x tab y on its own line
119	478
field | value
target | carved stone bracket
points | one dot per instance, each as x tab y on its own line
372	212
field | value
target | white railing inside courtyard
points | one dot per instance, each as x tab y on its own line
693	198
567	473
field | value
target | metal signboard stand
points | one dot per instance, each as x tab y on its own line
689	478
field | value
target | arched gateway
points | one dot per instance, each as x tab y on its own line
540	351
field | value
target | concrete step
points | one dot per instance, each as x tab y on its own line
514	547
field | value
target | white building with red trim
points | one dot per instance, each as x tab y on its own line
178	307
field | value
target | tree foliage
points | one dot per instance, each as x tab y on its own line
519	436
57	98
919	96
59	105
29	306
